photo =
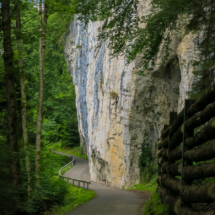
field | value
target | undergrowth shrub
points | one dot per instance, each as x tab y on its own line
52	190
154	206
147	165
149	172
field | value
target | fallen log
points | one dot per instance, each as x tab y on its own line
190	172
206	152
198	194
165	153
159	153
207	98
206	134
161	160
176	138
177	123
175	205
171	183
165	132
163	143
191	124
176	154
190	193
200	118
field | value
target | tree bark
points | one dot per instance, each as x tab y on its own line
12	141
203	101
163	143
190	194
190	172
165	132
175	154
175	205
206	134
201	117
195	121
23	97
42	31
206	152
177	123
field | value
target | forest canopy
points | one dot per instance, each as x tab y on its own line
37	98
122	27
33	71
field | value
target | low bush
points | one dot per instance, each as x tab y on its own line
154	206
75	151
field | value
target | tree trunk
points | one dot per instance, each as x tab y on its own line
190	172
201	117
163	143
42	31
203	101
204	135
206	152
23	97
175	205
11	95
195	121
190	194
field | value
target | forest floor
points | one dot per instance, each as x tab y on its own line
108	200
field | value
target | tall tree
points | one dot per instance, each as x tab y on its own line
43	18
11	95
23	94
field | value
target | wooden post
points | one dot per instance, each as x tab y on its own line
73	182
78	183
87	186
187	104
173	116
165	127
84	184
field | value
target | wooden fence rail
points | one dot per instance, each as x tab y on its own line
189	138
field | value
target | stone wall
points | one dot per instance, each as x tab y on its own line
115	106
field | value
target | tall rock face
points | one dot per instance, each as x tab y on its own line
115	106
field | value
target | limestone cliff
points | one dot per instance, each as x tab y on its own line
115	106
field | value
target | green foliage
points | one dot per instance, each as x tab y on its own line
148	185
75	197
59	113
113	95
75	151
154	206
51	190
59	110
146	156
123	27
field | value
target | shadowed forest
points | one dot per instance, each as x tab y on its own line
38	102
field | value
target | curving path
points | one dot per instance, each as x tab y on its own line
108	201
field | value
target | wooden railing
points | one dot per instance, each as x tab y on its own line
71	164
189	139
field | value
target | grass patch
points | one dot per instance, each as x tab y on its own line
65	170
76	196
154	206
146	185
76	151
113	95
